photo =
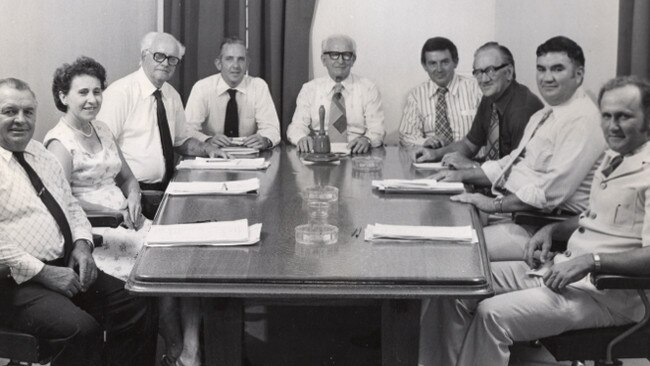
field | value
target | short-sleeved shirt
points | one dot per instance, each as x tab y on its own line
515	107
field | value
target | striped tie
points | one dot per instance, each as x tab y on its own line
338	120
493	136
442	128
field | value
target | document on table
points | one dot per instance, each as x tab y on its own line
418	186
230	187
408	232
237	151
224	164
219	233
429	166
340	148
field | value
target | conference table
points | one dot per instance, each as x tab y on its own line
396	275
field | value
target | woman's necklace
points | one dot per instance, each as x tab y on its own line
89	134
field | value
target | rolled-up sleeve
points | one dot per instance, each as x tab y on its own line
23	266
411	126
266	117
374	117
196	112
301	121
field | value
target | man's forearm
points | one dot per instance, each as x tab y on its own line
632	262
475	176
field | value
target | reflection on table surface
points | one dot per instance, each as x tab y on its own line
351	267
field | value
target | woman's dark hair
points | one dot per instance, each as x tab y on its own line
63	77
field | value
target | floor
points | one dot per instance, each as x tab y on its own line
325	336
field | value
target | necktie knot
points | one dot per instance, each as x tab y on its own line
338	88
157	94
232	92
442	91
613	164
19	155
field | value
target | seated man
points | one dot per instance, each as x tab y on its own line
613	236
352	104
56	291
233	104
501	117
552	167
440	110
146	117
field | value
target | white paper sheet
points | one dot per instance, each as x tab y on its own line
229	187
200	233
340	148
418	185
429	166
224	164
254	235
236	151
408	232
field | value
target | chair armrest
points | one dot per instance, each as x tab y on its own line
620	282
104	218
535	218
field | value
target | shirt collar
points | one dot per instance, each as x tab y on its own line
452	87
6	154
222	85
348	84
505	98
146	86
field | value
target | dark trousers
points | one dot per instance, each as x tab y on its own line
106	310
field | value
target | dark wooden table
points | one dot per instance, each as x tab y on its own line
395	274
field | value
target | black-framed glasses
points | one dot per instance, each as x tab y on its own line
347	56
160	57
490	71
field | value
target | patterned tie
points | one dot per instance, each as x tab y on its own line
493	136
231	125
519	152
338	121
613	164
50	203
442	128
165	137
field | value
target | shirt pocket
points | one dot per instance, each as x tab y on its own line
625	208
428	124
539	154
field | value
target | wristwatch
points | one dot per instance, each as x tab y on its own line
597	264
498	204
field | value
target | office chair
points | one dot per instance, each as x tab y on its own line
26	349
605	345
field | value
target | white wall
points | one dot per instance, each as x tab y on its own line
40	35
593	24
390	34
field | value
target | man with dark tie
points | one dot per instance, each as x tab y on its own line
552	167
501	116
232	104
55	290
440	110
353	112
612	236
146	116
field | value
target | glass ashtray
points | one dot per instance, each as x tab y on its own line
367	163
317	234
322	194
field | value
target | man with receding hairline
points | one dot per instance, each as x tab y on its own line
353	112
254	117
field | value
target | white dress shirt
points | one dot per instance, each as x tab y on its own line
205	111
365	116
558	163
129	110
419	117
29	234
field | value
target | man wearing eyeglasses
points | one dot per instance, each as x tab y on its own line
232	104
501	117
440	110
146	116
353	112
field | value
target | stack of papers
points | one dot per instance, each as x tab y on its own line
418	185
237	141
406	232
224	164
220	233
240	151
230	187
429	166
340	148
